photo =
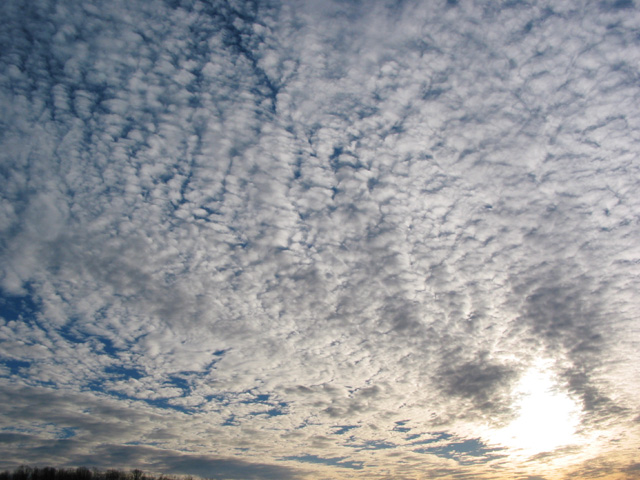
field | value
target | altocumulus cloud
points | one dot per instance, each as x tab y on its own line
296	239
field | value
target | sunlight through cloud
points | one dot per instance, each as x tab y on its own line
547	417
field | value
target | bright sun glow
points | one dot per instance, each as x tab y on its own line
547	418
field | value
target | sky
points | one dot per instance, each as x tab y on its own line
304	240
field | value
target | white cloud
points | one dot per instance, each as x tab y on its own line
253	223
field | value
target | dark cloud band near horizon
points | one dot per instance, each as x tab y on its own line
296	239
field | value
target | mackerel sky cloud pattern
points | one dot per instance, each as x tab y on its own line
321	240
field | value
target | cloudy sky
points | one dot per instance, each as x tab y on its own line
308	240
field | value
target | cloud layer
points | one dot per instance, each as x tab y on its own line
326	240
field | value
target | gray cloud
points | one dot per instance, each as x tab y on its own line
201	465
485	384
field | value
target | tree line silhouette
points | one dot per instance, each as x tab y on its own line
80	473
